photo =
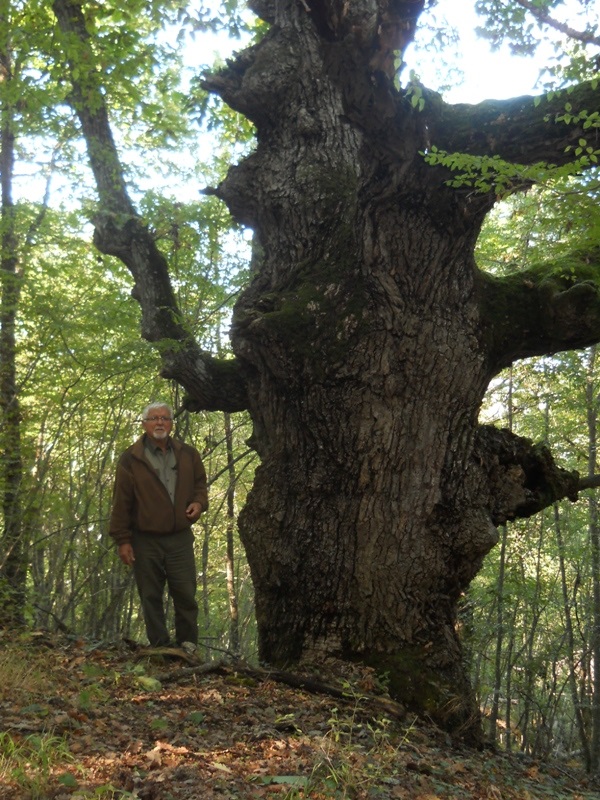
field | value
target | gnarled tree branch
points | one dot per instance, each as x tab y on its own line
522	130
521	477
212	384
542	310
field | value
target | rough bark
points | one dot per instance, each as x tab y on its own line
523	130
365	343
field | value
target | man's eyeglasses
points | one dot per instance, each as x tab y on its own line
158	419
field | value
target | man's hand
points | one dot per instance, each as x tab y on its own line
126	554
193	511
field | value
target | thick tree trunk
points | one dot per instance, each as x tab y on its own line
364	525
362	329
367	357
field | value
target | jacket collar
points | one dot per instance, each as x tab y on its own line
137	448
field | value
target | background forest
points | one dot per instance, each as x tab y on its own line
75	374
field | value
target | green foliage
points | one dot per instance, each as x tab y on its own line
515	619
556	221
493	174
83	371
85	377
91	696
523	29
159	724
22	679
106	792
509	22
195	717
357	758
414	94
438	40
29	762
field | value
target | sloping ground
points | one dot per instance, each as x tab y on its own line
106	722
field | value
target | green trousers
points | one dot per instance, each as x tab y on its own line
167	560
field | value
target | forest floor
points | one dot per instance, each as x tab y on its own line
81	721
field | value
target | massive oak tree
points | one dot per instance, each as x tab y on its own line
367	336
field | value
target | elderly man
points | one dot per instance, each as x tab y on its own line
160	491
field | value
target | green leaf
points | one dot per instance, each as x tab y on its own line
149	684
36	708
290	780
66	779
219	765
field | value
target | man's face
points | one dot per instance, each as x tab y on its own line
158	424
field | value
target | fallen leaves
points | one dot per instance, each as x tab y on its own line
209	734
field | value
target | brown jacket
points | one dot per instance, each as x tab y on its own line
142	503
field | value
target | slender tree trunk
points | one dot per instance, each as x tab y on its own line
234	629
498	657
204	559
594	532
508	688
12	564
584	741
499	649
533	730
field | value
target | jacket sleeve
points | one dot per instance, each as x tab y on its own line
123	506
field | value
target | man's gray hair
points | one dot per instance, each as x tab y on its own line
154	407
